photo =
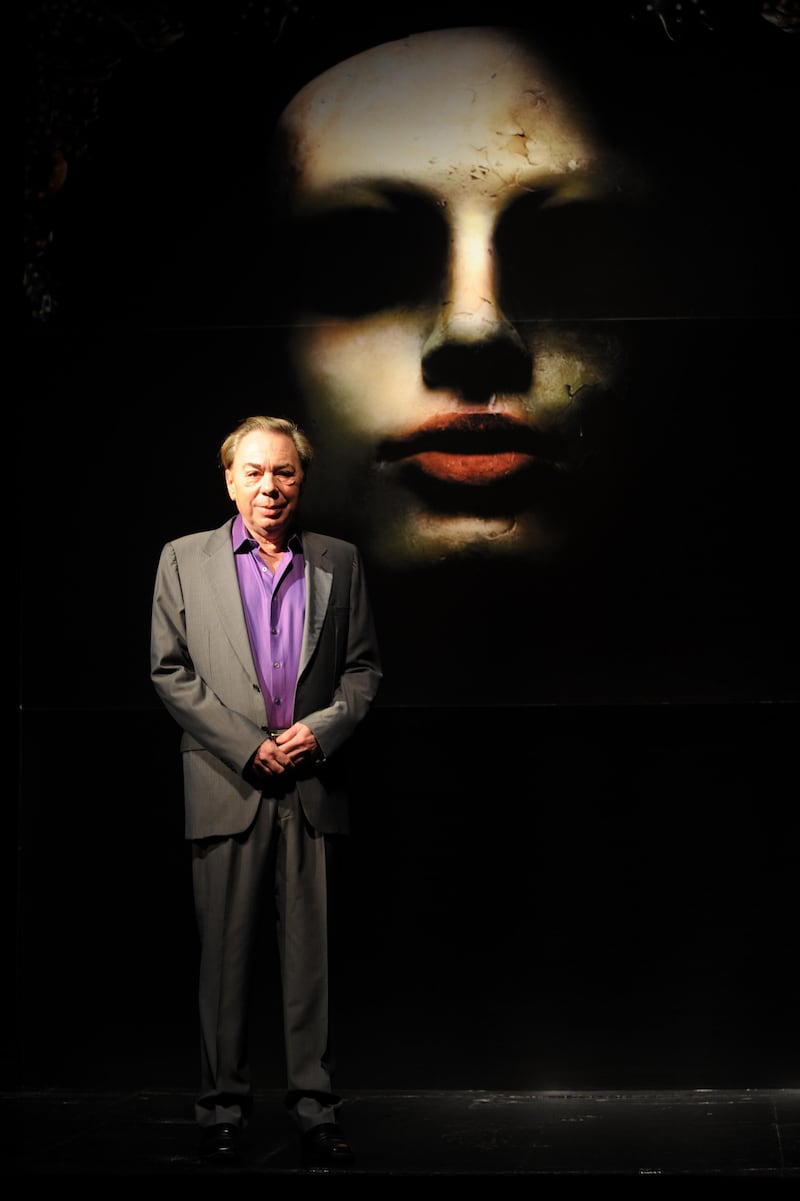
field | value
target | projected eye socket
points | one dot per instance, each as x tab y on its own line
351	262
576	260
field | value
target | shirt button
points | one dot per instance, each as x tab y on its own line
274	630
276	700
276	664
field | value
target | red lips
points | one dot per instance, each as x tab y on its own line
476	449
469	468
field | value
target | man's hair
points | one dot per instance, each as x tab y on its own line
272	425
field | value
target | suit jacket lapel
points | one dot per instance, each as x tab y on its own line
319	581
224	584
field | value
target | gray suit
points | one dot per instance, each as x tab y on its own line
202	669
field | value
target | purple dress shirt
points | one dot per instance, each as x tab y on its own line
274	609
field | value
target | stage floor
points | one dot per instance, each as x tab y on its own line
648	1132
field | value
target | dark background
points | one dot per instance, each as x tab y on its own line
574	855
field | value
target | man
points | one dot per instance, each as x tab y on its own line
263	650
462	252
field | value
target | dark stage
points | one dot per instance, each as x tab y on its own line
596	977
685	1133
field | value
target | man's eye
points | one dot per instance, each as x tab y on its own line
352	262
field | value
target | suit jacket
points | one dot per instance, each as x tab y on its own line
203	670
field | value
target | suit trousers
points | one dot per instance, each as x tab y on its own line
233	877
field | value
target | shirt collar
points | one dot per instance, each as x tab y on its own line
244	543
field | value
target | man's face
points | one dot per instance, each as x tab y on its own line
265	481
453	231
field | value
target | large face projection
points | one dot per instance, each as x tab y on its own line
456	238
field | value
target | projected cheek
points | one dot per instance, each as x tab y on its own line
351	262
361	375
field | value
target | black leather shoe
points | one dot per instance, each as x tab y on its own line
326	1146
220	1144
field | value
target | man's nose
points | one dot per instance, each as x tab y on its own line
473	348
268	484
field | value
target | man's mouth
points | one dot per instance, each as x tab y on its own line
474	449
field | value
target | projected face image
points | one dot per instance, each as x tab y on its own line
455	238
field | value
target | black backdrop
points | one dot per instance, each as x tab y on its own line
576	874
